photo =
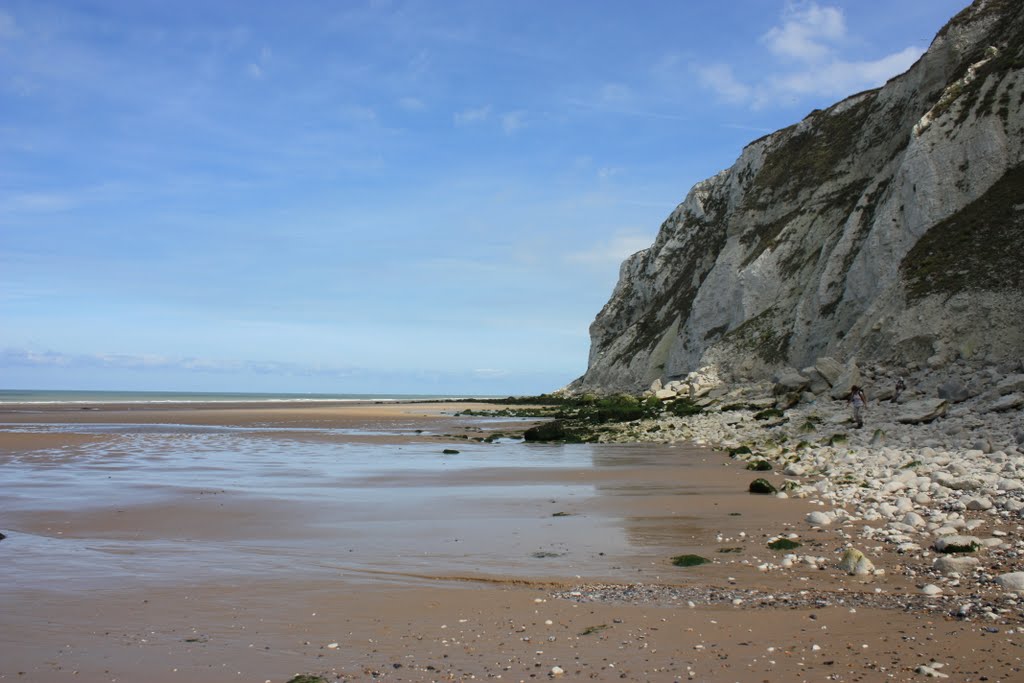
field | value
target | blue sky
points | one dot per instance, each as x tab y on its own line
374	196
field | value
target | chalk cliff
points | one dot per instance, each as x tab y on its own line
888	228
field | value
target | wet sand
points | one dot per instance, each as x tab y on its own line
214	543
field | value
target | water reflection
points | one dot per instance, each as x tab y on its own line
151	502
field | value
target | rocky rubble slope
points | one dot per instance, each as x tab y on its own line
932	486
887	228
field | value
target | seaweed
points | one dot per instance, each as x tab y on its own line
689	560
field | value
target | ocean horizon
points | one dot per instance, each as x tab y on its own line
73	396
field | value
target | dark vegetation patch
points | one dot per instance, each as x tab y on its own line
807	158
783	544
579	419
765	236
979	248
689	560
764	336
959	548
762	486
682	407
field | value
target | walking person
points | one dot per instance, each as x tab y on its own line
858	401
900	386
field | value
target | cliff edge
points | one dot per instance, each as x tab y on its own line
888	228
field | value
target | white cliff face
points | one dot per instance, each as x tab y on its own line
889	227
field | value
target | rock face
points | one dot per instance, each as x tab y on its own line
888	228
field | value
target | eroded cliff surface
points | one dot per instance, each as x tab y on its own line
887	228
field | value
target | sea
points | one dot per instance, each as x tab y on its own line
47	396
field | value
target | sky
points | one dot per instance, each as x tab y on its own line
374	196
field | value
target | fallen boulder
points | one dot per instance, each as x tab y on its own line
956	543
1014	581
922	412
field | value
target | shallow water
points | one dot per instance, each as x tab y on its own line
154	503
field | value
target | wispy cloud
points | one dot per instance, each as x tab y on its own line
807	44
513	121
720	79
256	69
468	117
841	77
13	357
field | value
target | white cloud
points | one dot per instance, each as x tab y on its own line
720	79
471	116
807	44
840	78
805	32
613	251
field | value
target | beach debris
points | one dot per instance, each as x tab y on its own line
931	671
557	671
450	451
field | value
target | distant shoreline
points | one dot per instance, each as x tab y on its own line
71	397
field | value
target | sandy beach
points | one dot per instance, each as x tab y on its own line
234	542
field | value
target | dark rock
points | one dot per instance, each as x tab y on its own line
762	486
549	431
